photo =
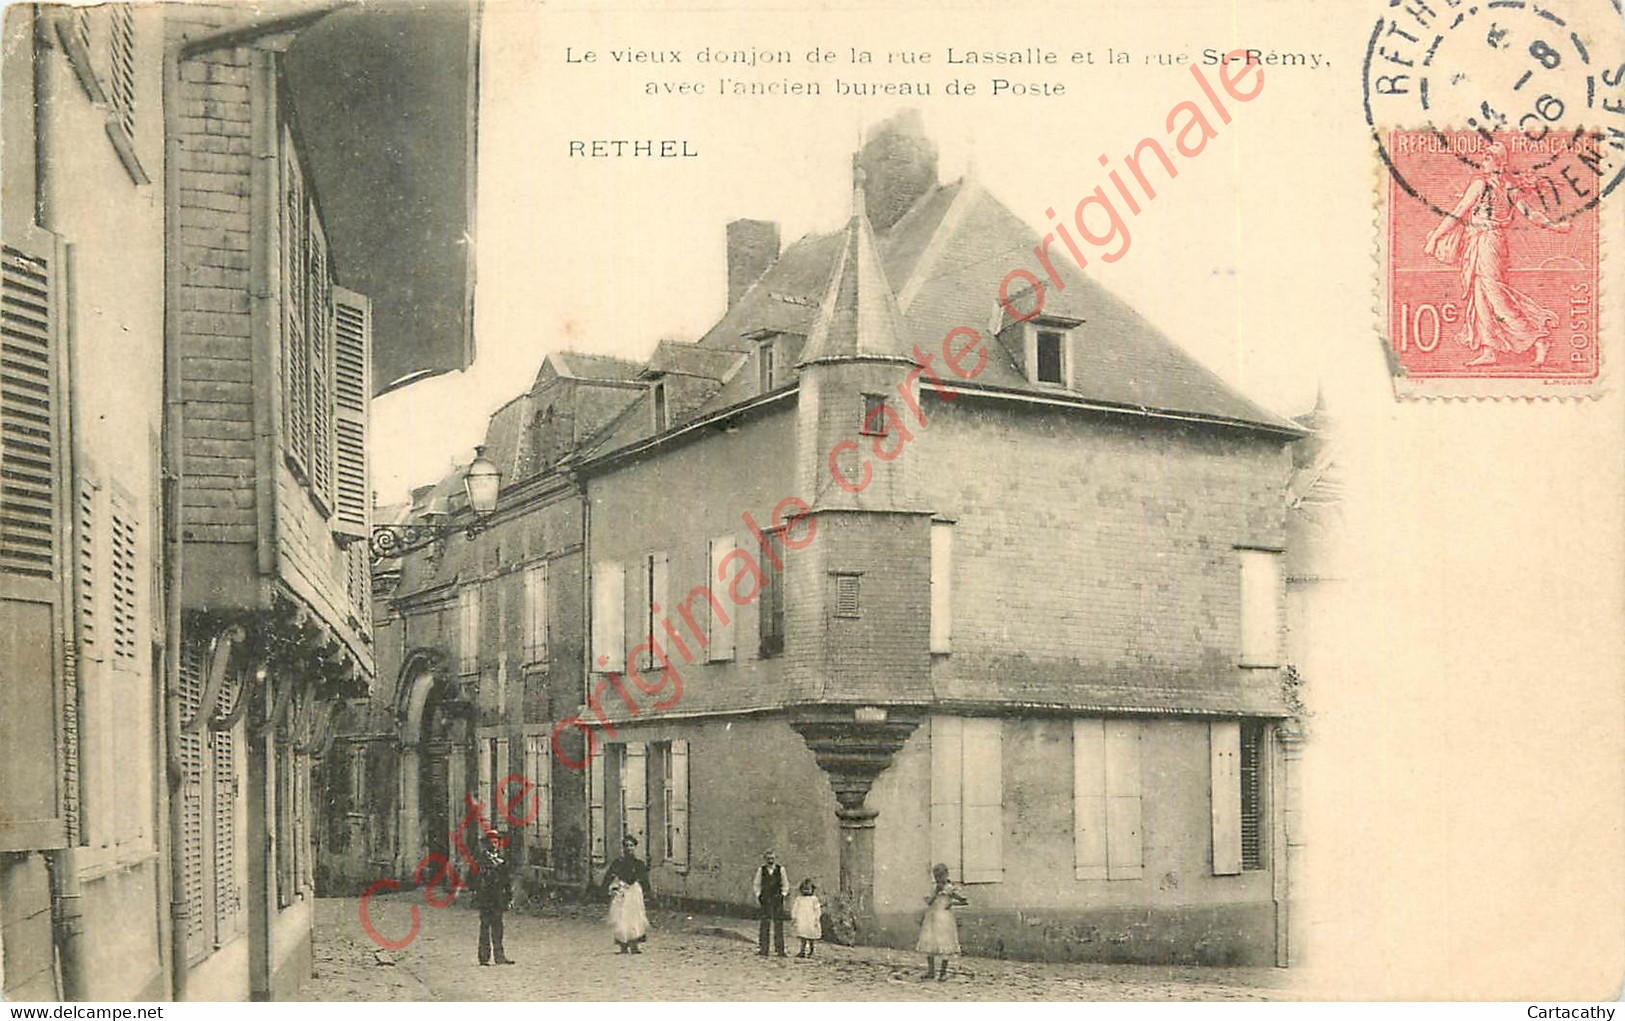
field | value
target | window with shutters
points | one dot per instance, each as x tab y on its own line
847	604
654	580
608	617
942	572
1239	783
539	771
536	614
770	601
720	629
967	797
1107	799
352	372
100	43
1261	588
296	410
468	629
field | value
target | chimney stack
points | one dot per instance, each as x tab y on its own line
899	164
752	247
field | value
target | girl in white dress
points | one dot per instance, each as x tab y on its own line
939	933
807	915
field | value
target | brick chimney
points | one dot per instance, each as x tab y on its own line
899	164
752	247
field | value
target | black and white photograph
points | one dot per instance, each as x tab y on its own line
515	501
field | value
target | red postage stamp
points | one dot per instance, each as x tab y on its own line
1490	266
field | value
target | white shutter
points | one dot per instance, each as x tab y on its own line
942	551
501	769
608	617
352	375
536	613
36	786
721	633
1089	798
539	771
677	809
595	807
468	651
1224	738
947	769
983	810
1260	607
635	794
1125	854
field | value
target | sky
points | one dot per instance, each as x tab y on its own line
613	255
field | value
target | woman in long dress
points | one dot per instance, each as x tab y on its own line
939	933
1498	318
627	883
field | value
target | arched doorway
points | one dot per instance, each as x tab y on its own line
436	732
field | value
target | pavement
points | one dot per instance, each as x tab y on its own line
564	952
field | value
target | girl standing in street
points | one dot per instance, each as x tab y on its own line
808	917
939	933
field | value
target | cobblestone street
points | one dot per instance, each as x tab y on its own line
566	954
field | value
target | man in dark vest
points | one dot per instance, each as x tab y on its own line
770	885
492	893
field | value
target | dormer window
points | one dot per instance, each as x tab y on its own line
767	365
1051	358
1046	350
658	399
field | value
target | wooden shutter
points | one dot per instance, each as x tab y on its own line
1089	798
227	904
38	760
721	629
847	595
942	554
468	639
319	335
677	805
1224	738
635	794
1125	844
608	617
352	373
595	806
539	771
947	774
190	749
983	806
123	570
295	351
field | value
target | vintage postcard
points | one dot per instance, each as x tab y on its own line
515	500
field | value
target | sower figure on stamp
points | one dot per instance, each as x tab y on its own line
770	885
1498	318
492	894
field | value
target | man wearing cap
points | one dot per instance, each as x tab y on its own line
769	885
493	891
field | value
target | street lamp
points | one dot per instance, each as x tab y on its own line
482	482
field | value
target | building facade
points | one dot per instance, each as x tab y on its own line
883	572
186	581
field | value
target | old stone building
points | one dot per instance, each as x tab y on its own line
187	382
883	572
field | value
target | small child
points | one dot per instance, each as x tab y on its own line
808	916
939	933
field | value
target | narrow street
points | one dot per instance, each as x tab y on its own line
566	954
